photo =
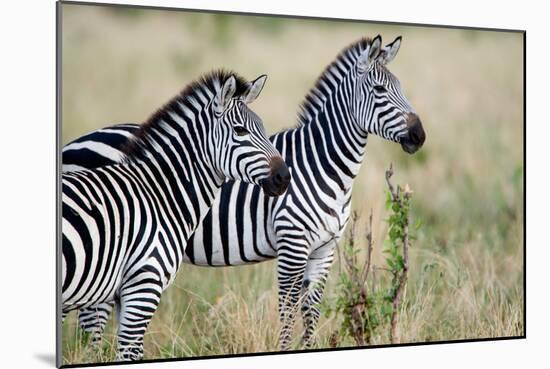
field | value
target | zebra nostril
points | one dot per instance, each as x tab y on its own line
414	137
278	181
416	131
281	177
418	134
279	171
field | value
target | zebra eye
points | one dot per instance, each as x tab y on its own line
379	88
240	130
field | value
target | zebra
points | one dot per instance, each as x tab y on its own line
355	96
125	226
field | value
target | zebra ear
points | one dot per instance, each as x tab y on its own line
226	94
389	51
370	54
254	89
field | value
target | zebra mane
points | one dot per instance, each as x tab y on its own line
313	100
213	80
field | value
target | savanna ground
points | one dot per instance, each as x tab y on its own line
466	271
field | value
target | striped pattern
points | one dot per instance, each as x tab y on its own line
355	96
125	226
99	148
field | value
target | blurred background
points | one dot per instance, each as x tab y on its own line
466	272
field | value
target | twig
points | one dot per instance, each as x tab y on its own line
358	308
389	173
351	260
402	276
373	288
366	269
363	303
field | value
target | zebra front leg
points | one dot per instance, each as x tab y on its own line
94	319
139	299
290	274
315	278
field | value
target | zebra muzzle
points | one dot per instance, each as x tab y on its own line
415	137
277	183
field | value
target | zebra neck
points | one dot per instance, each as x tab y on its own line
179	162
178	135
333	143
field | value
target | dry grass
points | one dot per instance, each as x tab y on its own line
466	278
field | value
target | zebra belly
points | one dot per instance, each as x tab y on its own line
231	234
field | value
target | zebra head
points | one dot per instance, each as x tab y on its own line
380	105
246	153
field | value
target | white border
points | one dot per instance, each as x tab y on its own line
27	182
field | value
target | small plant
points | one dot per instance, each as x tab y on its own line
365	305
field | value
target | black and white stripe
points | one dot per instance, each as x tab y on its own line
125	226
355	96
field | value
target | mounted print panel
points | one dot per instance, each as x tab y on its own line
240	184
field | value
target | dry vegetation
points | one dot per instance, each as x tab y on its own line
465	272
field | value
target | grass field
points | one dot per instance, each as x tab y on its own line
466	273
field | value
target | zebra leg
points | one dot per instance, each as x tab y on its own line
315	279
291	266
94	319
139	299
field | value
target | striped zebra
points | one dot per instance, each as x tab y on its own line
355	96
125	226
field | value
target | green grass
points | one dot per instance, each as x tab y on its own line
465	278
